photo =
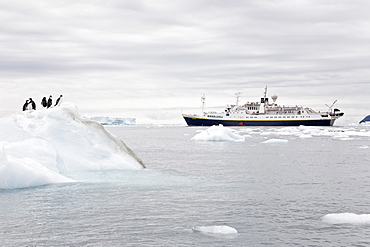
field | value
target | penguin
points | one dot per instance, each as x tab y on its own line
25	106
33	104
59	101
50	102
44	103
29	106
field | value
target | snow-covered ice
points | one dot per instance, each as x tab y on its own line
215	229
43	146
347	218
218	133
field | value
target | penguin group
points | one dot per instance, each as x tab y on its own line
31	105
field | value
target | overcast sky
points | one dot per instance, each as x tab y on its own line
153	59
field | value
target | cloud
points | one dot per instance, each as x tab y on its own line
142	53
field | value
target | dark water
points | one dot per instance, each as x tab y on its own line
272	194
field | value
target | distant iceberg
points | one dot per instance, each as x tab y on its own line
42	147
365	120
113	120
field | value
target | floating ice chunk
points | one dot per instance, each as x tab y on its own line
312	131
340	136
215	229
364	147
347	218
276	141
218	133
347	139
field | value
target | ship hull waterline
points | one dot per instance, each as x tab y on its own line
193	121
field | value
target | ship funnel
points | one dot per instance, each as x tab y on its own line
274	97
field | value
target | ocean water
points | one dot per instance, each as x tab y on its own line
274	188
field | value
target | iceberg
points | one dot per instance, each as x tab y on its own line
218	133
44	146
113	120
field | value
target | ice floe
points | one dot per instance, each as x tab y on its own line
347	218
364	147
215	229
345	133
275	141
221	133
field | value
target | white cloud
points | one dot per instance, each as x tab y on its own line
159	54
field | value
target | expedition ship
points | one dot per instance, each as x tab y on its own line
264	113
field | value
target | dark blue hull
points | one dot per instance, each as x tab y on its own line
209	122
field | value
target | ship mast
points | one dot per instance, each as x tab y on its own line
237	96
265	93
203	99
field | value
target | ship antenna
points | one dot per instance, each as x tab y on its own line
237	95
203	99
265	92
330	107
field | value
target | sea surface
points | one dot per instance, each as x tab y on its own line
273	189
